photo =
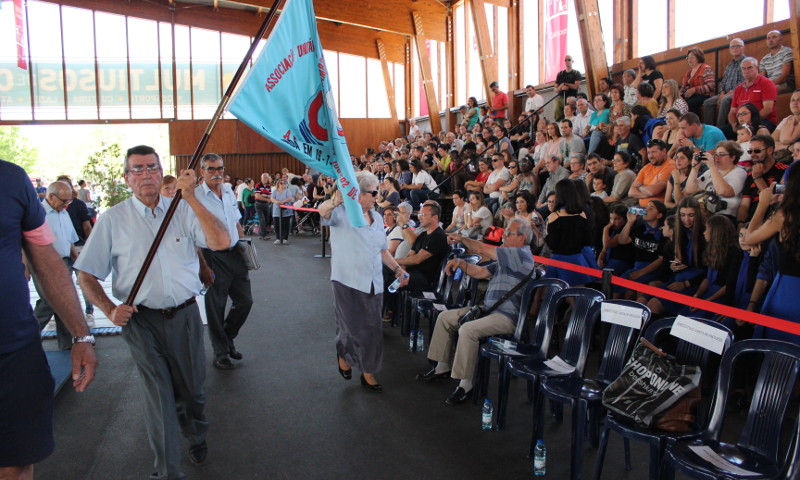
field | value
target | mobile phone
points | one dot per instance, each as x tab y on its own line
780	188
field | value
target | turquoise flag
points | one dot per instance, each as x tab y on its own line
287	98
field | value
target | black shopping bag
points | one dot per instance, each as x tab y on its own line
649	385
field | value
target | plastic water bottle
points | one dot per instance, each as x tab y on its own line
396	284
486	416
539	459
204	289
458	274
420	341
412	340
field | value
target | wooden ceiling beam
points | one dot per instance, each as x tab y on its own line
392	16
426	73
387	79
594	51
485	51
341	37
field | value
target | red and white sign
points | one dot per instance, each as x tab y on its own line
555	37
19	23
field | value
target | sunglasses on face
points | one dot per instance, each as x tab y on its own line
755	150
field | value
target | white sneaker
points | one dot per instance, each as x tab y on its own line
286	242
89	320
277	242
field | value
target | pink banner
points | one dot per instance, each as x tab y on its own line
555	37
19	23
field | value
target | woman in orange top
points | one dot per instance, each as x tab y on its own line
698	82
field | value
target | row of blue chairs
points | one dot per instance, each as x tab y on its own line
757	448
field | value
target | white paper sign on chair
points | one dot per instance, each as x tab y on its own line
699	334
624	315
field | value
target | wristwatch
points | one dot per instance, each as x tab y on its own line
83	339
404	226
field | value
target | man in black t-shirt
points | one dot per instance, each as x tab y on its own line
423	263
567	83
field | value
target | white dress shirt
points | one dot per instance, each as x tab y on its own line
121	239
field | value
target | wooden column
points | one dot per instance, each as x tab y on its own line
409	82
591	34
514	57
794	28
769	11
625	30
485	51
671	20
450	52
425	71
387	79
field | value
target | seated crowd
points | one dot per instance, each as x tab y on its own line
633	180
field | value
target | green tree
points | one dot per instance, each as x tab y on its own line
15	148
105	169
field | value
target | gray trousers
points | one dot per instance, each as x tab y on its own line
170	358
469	337
722	112
44	312
231	279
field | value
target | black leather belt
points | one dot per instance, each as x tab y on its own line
227	250
168	312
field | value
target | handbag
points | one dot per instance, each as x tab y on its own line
248	250
649	386
477	312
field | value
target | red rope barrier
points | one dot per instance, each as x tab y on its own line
747	316
300	209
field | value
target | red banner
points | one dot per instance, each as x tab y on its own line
19	23
555	37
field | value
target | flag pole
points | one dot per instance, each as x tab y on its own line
199	151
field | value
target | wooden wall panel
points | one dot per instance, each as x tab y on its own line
234	137
368	132
249	165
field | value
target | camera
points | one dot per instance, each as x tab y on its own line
640	211
780	188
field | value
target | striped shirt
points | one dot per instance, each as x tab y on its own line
773	63
513	264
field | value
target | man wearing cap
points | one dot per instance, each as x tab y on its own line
499	102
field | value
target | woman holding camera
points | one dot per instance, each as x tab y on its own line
785	223
723	181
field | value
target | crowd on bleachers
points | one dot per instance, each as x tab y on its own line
651	178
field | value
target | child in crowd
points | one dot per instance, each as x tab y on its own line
743	136
619	258
646	236
723	257
690	245
599	187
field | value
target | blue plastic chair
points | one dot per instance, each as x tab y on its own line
585	306
585	395
758	446
464	295
686	354
533	346
407	300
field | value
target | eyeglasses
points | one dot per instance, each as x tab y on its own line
65	202
755	150
512	166
742	114
215	169
139	169
374	193
422	214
